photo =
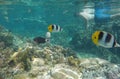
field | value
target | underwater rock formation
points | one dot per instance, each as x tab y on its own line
65	74
6	37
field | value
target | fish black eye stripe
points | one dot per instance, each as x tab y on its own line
100	36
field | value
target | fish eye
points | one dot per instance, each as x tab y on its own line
49	28
95	37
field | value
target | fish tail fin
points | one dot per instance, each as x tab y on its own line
117	45
61	29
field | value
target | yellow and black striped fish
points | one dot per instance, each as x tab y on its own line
54	28
104	39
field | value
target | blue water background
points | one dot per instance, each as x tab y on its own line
31	18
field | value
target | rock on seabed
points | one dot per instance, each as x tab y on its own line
65	74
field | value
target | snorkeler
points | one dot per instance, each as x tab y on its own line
88	13
100	12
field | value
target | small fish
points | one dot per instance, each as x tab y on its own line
104	39
48	35
54	28
39	40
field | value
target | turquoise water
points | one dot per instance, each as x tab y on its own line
30	18
34	17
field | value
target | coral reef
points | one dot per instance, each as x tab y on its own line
6	38
21	56
48	61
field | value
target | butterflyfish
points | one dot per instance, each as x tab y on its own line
54	28
104	39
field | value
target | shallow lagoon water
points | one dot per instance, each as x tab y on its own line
31	18
26	19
